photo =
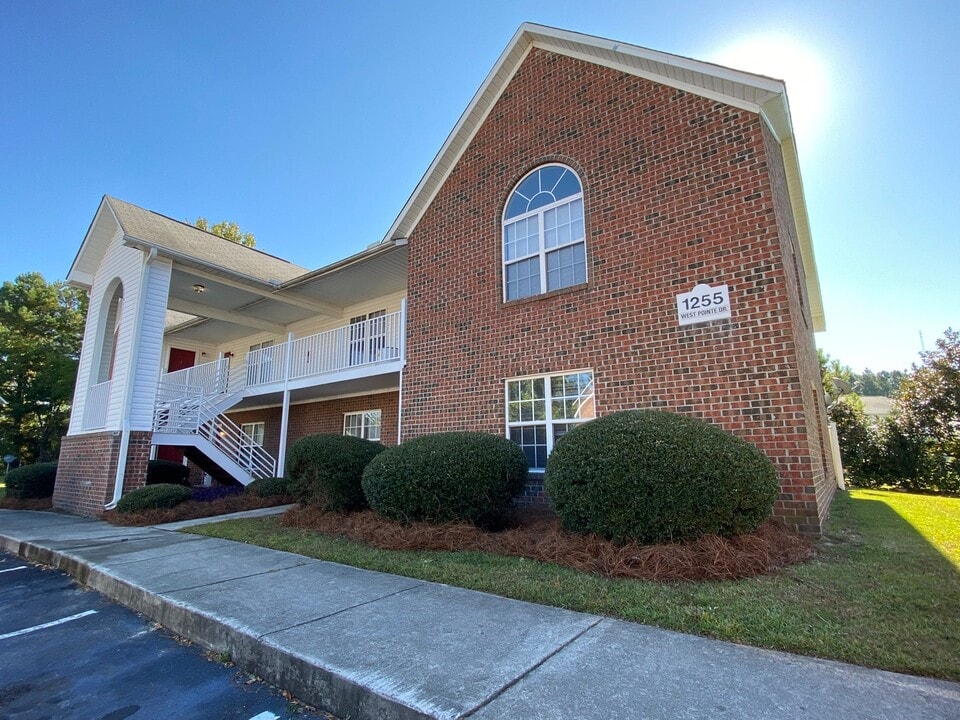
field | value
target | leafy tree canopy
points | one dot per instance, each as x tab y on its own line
227	230
929	398
41	327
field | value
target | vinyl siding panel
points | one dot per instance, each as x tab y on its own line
150	352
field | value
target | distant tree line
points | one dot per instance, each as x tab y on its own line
885	383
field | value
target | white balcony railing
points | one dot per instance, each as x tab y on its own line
96	406
370	342
210	378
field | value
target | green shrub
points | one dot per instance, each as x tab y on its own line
268	487
32	481
652	476
325	470
167	472
153	497
445	477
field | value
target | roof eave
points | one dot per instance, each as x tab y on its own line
84	278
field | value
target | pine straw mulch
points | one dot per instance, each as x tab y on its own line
11	503
193	509
538	536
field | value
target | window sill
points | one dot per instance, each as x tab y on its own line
545	296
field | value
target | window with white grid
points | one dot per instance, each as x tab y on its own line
365	424
544	240
542	408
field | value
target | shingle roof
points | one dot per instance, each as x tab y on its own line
185	240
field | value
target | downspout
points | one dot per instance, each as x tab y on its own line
285	409
403	364
128	391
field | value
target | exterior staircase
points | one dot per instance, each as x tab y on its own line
189	414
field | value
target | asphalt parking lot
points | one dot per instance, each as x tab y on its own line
69	653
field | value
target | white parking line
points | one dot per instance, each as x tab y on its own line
265	716
9	635
19	567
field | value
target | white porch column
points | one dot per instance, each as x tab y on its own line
285	413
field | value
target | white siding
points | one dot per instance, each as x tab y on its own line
126	265
123	264
150	352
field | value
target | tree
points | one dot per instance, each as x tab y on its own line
885	382
928	407
834	375
41	327
227	230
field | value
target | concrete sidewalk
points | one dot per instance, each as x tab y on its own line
368	645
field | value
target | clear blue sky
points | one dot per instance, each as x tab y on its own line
310	123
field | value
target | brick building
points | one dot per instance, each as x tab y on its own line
606	227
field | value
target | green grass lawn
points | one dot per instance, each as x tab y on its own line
884	590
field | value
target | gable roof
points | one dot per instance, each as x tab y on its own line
179	240
755	93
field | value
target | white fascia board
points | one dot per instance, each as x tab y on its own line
84	278
721	72
776	114
657	78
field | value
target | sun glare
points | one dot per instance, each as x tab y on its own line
786	58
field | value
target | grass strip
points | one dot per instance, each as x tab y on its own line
884	590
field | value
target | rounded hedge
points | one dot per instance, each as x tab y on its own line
653	476
153	497
268	487
167	472
326	470
446	477
32	481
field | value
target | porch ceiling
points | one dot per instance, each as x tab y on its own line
227	310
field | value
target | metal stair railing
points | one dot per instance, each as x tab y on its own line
227	437
186	410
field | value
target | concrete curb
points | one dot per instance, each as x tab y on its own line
315	685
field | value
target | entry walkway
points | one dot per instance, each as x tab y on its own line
369	645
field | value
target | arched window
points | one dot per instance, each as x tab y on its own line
544	246
110	335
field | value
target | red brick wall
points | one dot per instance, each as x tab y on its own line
87	468
678	190
322	417
801	501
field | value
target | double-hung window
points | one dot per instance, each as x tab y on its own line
251	438
364	424
544	242
541	409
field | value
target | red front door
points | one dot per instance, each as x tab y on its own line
179	360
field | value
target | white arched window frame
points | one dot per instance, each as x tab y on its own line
544	241
110	333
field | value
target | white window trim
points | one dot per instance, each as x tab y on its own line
252	436
548	399
363	422
543	251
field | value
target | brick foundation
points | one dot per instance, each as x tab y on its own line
87	469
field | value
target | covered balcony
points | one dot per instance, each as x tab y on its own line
365	356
